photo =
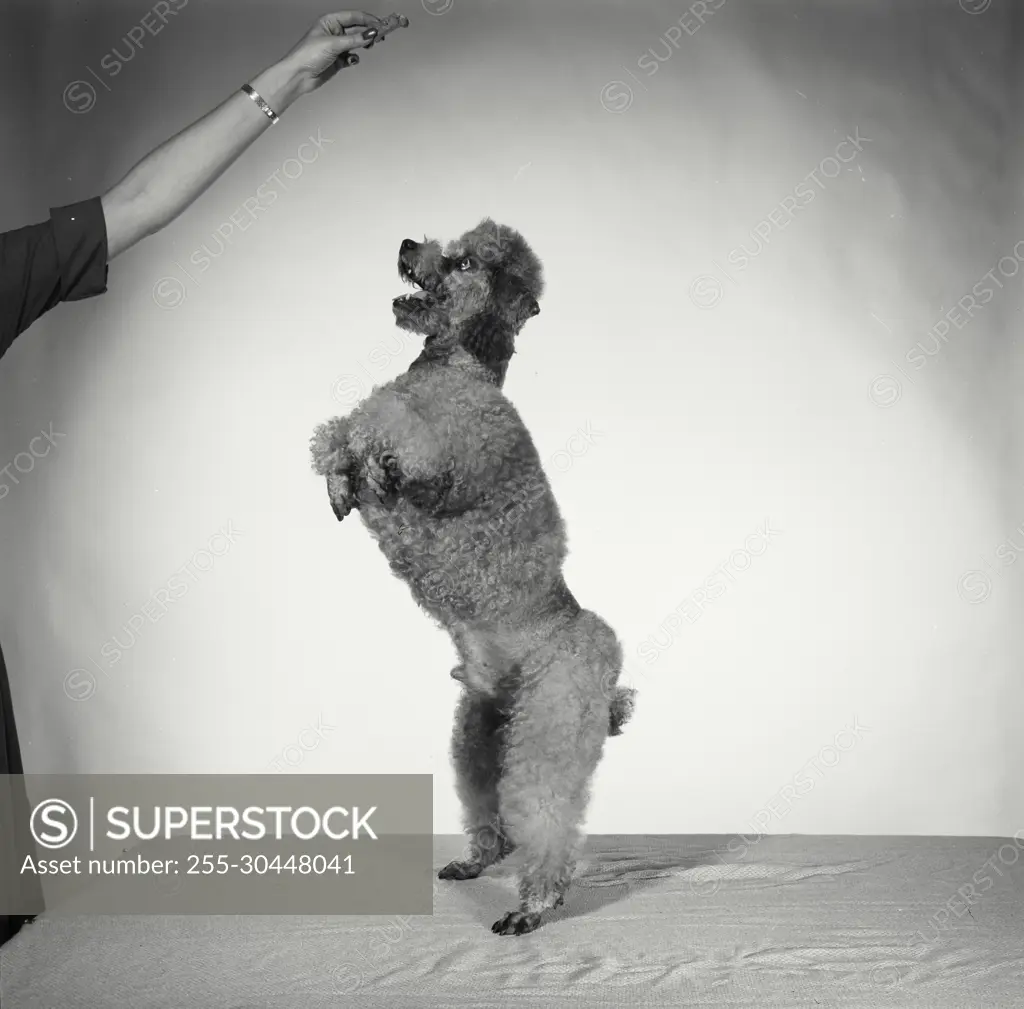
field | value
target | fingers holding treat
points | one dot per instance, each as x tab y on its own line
385	26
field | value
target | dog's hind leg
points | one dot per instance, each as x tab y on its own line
476	756
552	746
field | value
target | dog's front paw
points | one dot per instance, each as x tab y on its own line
381	476
517	923
328	448
461	870
339	491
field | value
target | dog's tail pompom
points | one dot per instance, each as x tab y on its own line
623	702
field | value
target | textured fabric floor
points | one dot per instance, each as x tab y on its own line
791	921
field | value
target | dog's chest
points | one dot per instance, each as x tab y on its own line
453	404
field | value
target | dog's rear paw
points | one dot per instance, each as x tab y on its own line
461	870
517	923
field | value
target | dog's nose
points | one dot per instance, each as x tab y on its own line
408	245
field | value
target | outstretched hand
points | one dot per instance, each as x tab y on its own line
328	46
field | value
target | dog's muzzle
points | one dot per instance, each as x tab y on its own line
410	270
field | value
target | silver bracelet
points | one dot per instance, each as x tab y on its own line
264	107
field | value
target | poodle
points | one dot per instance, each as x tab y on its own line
447	479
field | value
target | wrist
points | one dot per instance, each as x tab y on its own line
279	85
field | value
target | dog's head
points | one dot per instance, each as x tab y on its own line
477	293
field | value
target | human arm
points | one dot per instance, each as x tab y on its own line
65	258
175	174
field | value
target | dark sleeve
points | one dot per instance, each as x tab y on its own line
62	259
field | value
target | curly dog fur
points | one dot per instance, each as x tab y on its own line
449	482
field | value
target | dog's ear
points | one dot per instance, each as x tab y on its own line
513	300
530	306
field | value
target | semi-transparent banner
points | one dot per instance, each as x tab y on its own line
216	844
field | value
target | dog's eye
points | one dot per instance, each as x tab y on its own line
464	264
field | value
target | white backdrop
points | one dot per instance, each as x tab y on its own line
735	296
